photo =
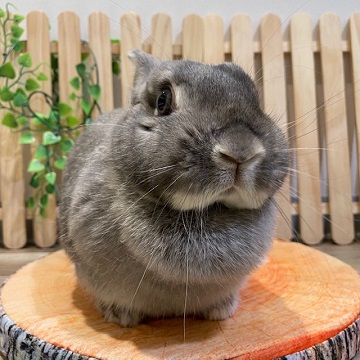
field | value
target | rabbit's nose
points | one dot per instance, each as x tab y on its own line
239	157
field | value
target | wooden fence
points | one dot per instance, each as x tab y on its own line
309	83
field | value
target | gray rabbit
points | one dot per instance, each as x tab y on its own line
168	205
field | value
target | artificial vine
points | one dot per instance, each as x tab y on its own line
58	127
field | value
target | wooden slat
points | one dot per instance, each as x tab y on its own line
338	163
275	102
355	57
69	51
161	37
130	40
12	182
242	46
213	39
39	49
193	38
99	40
307	143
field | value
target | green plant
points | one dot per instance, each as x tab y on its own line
55	130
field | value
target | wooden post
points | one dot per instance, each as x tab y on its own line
38	46
242	46
161	37
193	38
275	103
338	158
99	40
69	52
12	183
213	39
306	129
130	39
355	57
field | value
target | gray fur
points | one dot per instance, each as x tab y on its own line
147	215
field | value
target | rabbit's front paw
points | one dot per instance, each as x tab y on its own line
223	310
119	315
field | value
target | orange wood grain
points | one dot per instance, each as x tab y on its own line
299	298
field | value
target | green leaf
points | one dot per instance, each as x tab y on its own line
34	181
2	13
30	204
64	109
60	163
115	67
75	83
40	119
19	46
54	117
31	84
49	138
50	178
26	138
18	18
6	94
35	166
72	96
81	70
50	189
72	121
86	106
95	91
7	71
16	31
42	77
41	152
22	121
25	60
67	145
42	212
44	200
9	121
115	41
20	99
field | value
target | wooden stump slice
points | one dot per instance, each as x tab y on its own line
301	302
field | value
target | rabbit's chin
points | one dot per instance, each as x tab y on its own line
234	198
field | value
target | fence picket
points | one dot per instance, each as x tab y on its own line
12	183
355	56
69	52
275	103
338	161
307	143
193	38
161	37
38	46
213	39
130	40
99	40
242	46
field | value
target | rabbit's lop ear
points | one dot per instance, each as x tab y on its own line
144	64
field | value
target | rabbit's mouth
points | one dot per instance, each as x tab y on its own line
239	197
236	197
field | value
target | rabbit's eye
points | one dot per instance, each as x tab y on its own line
163	102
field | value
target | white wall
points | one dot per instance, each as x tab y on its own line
178	9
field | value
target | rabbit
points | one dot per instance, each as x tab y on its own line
168	206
